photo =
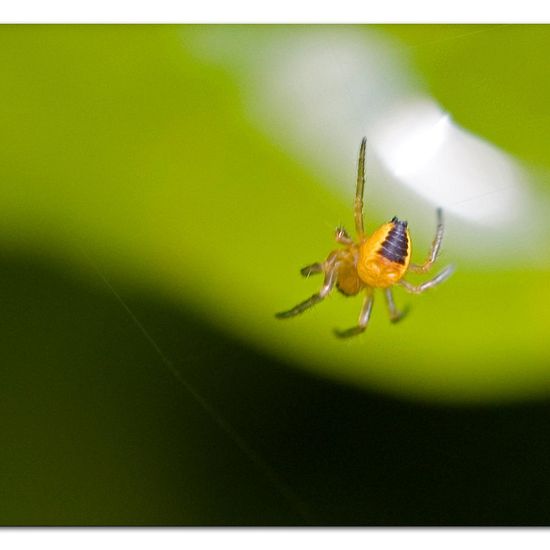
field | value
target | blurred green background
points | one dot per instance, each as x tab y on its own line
149	231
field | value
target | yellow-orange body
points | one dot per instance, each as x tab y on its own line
373	267
364	264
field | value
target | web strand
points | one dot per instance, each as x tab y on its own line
294	502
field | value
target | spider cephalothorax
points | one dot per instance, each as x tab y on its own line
378	261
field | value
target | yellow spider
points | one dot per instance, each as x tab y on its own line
378	261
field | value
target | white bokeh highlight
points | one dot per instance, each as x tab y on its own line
450	167
317	91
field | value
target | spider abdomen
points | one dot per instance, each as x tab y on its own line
384	257
395	246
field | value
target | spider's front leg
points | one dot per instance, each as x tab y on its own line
359	191
364	317
330	269
311	269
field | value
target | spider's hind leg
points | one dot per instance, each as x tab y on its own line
434	250
439	278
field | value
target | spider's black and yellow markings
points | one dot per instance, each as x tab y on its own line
380	260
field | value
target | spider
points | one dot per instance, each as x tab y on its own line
377	261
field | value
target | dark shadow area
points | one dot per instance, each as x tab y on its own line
95	430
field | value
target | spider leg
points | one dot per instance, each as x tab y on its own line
342	237
359	190
364	317
330	280
395	314
434	251
311	269
439	278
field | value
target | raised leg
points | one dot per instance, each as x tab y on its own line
434	251
418	289
342	237
395	314
363	318
330	280
359	190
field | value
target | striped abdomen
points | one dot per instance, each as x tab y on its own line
384	257
396	244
